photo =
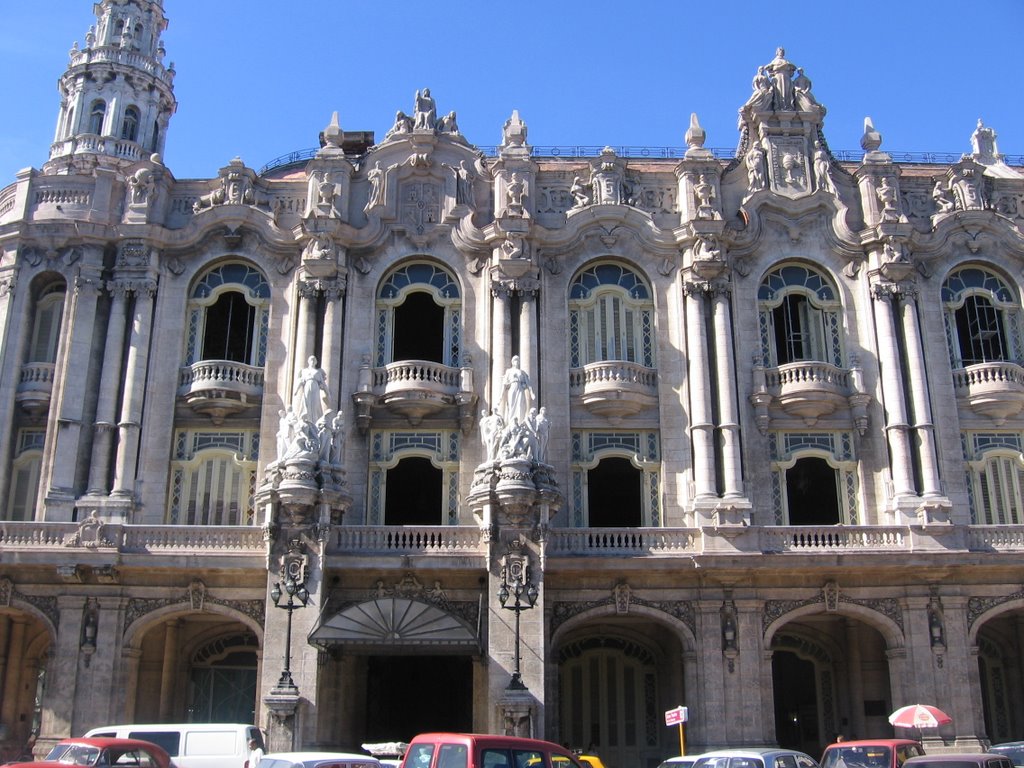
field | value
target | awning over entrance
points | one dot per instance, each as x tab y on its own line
396	625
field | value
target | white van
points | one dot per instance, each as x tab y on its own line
194	745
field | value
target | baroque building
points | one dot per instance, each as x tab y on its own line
407	435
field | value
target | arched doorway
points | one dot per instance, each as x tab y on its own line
1000	643
25	643
195	667
616	677
830	676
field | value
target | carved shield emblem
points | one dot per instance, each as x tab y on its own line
421	207
789	166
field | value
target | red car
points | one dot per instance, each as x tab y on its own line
870	753
102	753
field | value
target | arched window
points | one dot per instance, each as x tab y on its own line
46	325
611	317
419	316
414	478
799	315
130	124
814	478
982	316
25	472
97	114
228	316
213	478
616	480
995	477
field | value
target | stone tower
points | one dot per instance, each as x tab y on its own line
116	94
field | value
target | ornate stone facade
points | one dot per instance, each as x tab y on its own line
541	443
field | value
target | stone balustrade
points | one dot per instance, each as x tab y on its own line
614	388
408	540
416	374
807	373
35	386
221	375
133	59
622	541
187	539
97	145
833	538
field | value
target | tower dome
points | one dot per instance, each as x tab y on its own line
116	94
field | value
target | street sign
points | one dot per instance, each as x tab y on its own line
676	716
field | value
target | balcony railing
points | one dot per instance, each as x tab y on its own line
35	386
411	540
993	389
622	541
220	387
154	539
614	388
98	145
830	538
984	538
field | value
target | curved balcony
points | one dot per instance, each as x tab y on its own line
35	387
219	388
414	390
614	388
995	390
810	390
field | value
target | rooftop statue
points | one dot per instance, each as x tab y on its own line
781	86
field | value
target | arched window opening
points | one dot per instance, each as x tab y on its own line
130	124
414	493
25	474
230	329
419	316
614	494
46	324
213	478
799	317
812	493
419	329
97	114
155	146
995	477
982	318
611	317
229	315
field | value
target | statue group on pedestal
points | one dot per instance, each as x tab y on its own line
308	430
515	428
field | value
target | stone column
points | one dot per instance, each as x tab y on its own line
920	400
76	360
12	674
732	475
110	378
305	333
334	314
854	681
134	391
62	672
701	426
528	336
130	679
500	338
15	316
896	427
5	633
169	671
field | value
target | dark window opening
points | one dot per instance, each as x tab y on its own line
419	329
400	686
130	124
96	115
792	335
979	330
413	493
229	329
812	493
614	494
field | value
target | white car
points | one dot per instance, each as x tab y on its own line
318	760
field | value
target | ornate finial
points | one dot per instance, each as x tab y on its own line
514	131
983	141
695	135
872	139
332	136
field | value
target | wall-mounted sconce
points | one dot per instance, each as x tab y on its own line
90	624
730	649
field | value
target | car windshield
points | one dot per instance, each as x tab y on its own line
734	761
873	756
74	754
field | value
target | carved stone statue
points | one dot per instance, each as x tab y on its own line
754	161
942	198
887	196
285	431
781	73
514	195
464	178
579	193
376	177
805	101
822	168
761	98
403	124
309	397
426	111
491	426
516	394
705	192
542	427
447	124
141	185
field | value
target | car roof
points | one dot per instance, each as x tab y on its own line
298	757
105	742
742	751
873	743
510	741
956	757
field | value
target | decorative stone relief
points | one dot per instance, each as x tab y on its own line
421	205
607	179
411	588
139	607
776	609
424	119
91	533
789	167
622	594
133	253
681	610
237	187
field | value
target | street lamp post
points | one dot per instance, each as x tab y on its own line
515	584
298	596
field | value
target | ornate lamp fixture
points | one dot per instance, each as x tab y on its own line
297	596
516	584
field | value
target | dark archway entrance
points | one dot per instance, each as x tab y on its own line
796	702
407	695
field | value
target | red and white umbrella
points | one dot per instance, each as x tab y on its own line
919	716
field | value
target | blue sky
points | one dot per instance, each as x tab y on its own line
260	78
